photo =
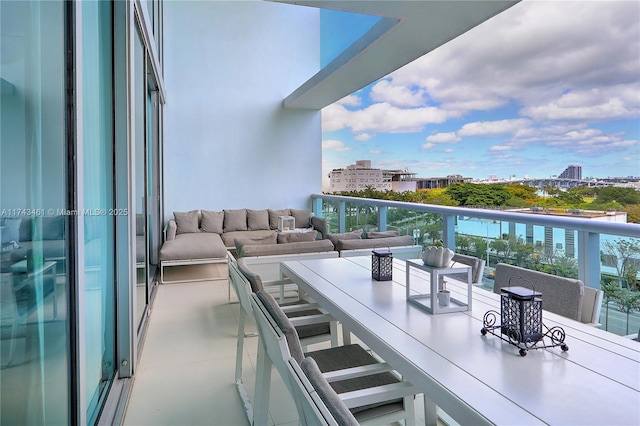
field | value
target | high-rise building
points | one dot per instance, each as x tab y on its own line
573	171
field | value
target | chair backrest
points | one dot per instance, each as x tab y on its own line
560	295
477	265
242	287
591	306
254	279
328	397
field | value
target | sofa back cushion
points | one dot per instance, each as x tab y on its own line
243	241
274	217
212	221
187	222
296	237
382	234
353	235
302	217
235	220
257	219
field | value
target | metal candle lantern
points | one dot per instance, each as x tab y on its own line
521	317
382	265
521	313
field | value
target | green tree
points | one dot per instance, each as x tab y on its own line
470	194
626	254
623	196
628	301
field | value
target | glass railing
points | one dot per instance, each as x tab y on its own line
602	254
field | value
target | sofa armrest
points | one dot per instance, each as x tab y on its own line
320	225
170	230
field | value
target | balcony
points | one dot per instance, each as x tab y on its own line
570	245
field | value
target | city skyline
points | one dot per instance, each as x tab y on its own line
537	88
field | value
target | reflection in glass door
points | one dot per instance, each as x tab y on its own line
97	141
140	189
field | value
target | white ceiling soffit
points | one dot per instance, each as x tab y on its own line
408	30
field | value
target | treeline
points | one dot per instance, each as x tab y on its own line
516	195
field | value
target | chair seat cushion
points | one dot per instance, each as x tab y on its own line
350	356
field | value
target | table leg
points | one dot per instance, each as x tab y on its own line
263	385
430	414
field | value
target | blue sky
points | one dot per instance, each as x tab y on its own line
536	88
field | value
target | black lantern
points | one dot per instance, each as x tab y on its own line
521	314
382	265
521	321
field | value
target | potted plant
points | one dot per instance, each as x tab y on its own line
444	295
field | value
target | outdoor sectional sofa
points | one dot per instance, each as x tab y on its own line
206	237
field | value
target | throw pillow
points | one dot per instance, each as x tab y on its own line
274	217
235	220
353	235
303	218
187	222
212	221
296	237
382	234
257	219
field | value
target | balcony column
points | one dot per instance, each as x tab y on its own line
589	258
316	206
382	218
449	231
341	216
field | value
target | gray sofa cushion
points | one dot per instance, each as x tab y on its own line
229	237
187	222
296	237
257	219
382	234
212	221
274	217
202	245
302	217
562	296
235	220
404	240
317	246
353	235
258	240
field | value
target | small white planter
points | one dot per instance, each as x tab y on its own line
444	296
437	256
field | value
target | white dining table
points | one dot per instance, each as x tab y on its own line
478	379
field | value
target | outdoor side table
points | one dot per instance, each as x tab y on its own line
425	296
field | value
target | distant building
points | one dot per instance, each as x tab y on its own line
360	176
440	182
573	171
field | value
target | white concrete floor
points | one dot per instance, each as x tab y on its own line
186	371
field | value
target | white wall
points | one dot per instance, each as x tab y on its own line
228	142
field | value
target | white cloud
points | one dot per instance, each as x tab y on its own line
363	137
500	148
449	150
428	145
332	144
397	95
532	54
375	152
493	128
382	118
351	100
449	137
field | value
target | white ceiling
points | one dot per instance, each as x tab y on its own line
409	30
